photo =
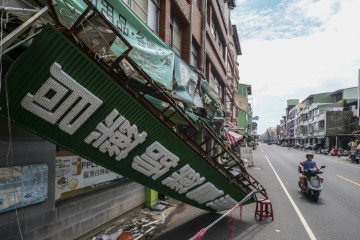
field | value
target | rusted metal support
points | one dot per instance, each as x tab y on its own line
10	38
53	12
80	19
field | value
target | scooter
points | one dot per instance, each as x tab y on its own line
323	150
355	158
313	184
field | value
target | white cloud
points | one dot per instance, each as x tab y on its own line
287	61
315	10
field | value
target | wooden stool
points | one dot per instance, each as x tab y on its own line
264	209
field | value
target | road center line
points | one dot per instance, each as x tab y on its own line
345	163
297	210
348	180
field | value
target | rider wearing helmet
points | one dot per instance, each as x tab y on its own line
309	163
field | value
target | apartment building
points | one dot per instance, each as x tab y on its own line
328	118
200	33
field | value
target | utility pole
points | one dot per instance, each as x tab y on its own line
358	96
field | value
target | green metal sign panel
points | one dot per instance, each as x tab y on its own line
59	93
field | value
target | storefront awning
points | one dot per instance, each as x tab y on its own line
233	137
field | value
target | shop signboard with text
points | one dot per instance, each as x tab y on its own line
59	93
75	175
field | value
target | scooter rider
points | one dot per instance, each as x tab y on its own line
309	163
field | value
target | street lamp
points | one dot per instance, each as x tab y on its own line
250	100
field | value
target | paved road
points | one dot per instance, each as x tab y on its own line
335	216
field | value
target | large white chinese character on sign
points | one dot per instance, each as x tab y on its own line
222	203
183	180
204	193
116	136
156	161
61	97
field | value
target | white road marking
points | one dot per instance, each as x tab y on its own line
297	210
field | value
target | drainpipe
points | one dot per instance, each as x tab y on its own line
203	39
191	28
336	142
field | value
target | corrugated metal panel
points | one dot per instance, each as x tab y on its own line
30	74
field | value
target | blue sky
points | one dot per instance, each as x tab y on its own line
291	49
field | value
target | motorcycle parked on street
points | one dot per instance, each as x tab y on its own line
354	156
323	151
313	184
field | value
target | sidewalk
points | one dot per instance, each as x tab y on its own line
145	223
177	221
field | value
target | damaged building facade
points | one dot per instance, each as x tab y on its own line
102	98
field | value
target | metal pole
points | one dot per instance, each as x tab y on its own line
358	104
13	9
203	36
9	39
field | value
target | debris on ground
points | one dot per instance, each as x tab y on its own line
140	224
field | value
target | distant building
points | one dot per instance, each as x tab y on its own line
329	118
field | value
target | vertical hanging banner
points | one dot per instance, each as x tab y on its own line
59	93
186	82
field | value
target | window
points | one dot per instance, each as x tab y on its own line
213	30
227	14
197	3
194	56
220	47
140	7
221	2
126	2
215	84
153	15
147	10
228	103
175	35
212	81
218	42
218	88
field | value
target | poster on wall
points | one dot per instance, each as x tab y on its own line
22	186
75	174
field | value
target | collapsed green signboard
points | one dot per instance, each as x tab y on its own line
59	93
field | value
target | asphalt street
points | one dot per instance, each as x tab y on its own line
336	215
